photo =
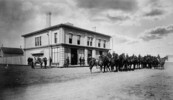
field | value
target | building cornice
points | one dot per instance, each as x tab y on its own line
64	26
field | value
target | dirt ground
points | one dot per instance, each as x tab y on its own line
79	84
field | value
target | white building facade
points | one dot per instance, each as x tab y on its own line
65	41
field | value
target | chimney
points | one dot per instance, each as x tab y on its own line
68	23
49	19
94	29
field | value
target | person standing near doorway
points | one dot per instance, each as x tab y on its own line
80	61
68	61
50	61
45	62
32	63
83	61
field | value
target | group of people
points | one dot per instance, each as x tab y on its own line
124	62
81	61
37	60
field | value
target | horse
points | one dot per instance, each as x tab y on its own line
38	61
121	62
106	63
103	62
154	62
162	62
92	63
100	63
126	63
139	62
114	62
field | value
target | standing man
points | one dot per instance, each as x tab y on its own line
50	61
83	61
68	61
32	64
29	61
80	61
45	62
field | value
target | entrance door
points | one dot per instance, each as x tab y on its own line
74	56
89	55
101	52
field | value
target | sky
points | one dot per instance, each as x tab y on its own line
136	26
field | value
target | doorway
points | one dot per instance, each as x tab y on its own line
74	56
89	55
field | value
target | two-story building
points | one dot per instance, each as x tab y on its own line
64	41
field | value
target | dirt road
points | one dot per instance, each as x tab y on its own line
145	84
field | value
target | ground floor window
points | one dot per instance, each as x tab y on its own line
55	55
89	55
81	53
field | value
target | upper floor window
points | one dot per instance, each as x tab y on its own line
104	44
38	41
78	39
99	42
55	37
70	38
89	41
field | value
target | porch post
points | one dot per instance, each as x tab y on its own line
86	56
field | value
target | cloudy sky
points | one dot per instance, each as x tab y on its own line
137	26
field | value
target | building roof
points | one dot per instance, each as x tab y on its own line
12	51
62	25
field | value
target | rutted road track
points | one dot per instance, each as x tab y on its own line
145	84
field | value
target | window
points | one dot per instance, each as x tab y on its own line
91	41
70	38
104	44
88	41
78	39
100	52
35	41
55	37
99	42
55	55
38	41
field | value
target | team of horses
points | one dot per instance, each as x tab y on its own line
123	62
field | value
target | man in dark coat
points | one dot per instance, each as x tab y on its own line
83	61
29	60
32	63
45	62
80	61
67	61
50	61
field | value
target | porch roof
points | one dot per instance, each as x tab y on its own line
12	51
68	45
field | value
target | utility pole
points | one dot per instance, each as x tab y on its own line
94	29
